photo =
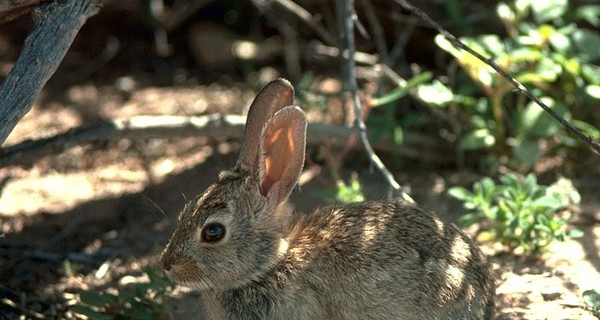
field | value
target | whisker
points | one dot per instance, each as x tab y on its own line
155	205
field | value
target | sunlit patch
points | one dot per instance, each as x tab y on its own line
374	225
439	225
454	277
245	49
283	247
460	251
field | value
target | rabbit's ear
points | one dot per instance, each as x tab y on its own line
273	97
281	155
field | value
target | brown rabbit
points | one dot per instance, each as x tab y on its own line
251	258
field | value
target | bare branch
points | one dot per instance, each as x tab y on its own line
56	25
212	126
305	17
348	14
490	62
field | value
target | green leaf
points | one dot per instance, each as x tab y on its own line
589	13
549	69
505	12
514	223
542	228
523	6
592	299
575	233
475	68
398	135
593	91
460	193
564	190
549	202
587	129
435	93
560	42
533	121
587	43
469	219
402	91
548	10
526	151
477	139
591	73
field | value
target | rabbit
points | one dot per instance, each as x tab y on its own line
251	257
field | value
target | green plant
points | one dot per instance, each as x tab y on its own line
520	213
592	300
546	51
143	300
352	192
385	122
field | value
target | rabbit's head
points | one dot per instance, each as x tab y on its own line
232	233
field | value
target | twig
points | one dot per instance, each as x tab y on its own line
328	51
56	25
490	62
181	12
348	14
307	18
212	126
376	29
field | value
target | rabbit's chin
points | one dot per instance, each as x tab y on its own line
192	283
189	279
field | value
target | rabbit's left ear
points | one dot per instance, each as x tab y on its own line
281	153
272	98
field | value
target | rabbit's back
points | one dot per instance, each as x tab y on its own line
373	260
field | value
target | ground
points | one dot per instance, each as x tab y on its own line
115	204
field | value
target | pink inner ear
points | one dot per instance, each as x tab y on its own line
279	148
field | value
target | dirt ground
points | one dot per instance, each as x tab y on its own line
118	202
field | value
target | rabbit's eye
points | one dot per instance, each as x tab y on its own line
213	232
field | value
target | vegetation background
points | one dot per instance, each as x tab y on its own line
82	228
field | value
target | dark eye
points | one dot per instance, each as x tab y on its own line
213	232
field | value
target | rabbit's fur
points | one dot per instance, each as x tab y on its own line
371	260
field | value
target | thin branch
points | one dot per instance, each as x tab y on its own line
212	126
348	14
490	62
376	29
308	19
181	12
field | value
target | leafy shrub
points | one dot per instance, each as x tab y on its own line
545	50
520	213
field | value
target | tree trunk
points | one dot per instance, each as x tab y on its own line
56	24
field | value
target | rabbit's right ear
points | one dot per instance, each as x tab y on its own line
281	154
276	95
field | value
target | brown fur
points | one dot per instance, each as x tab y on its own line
372	260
